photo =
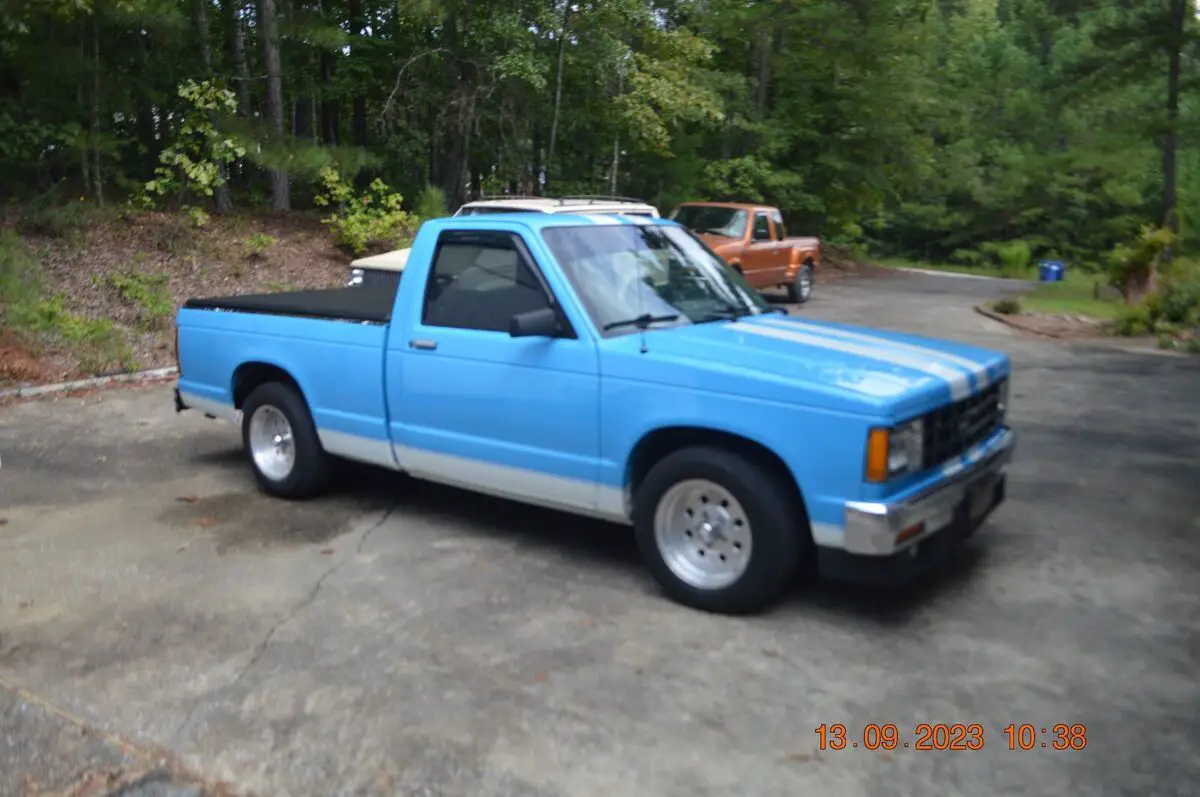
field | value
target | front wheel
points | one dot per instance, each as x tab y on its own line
800	289
719	532
281	441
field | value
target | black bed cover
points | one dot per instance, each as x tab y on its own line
349	304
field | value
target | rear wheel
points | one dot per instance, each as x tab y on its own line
282	444
719	532
800	288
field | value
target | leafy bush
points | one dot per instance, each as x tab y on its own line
370	220
149	292
20	284
1007	306
53	219
258	245
1013	257
1131	266
1133	321
194	163
431	203
1179	303
96	343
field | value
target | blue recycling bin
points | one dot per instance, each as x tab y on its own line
1050	270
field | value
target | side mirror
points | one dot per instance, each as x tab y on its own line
540	323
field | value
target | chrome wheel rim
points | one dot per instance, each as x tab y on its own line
804	282
271	444
703	534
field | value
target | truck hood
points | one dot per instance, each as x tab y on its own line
388	261
716	242
838	367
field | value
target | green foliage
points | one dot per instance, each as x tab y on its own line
1133	321
95	342
1007	306
150	293
20	283
194	162
48	216
1131	265
431	203
1012	257
363	221
258	245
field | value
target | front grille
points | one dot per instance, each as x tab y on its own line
373	278
951	430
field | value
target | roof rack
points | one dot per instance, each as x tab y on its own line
487	197
598	198
562	200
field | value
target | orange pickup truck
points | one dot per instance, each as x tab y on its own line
752	239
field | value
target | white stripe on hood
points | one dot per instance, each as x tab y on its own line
960	386
976	369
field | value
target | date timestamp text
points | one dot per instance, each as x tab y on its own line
950	736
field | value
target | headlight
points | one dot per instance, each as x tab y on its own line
895	451
356	277
1002	404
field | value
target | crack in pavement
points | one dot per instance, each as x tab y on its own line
261	648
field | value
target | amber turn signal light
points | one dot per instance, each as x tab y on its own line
877	455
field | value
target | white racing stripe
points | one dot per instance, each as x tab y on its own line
597	218
972	367
959	383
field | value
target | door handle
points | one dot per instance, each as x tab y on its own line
428	345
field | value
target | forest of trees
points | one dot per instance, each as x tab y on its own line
925	128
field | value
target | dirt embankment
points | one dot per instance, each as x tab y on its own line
103	290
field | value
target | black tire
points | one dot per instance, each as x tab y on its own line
795	293
780	535
309	474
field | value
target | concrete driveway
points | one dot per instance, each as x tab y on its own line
399	638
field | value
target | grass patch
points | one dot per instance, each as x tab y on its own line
40	321
982	270
1078	294
150	293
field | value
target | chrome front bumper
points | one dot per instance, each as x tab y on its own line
883	529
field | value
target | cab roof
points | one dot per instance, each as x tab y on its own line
541	221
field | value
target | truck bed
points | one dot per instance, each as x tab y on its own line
372	304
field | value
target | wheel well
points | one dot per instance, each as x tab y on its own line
657	444
249	376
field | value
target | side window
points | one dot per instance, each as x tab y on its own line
762	229
780	230
480	281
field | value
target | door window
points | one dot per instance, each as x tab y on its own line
480	281
780	230
762	227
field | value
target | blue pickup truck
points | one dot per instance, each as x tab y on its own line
617	368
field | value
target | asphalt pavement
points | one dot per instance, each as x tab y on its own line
397	638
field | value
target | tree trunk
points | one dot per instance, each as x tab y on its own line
1170	143
329	106
221	191
558	81
97	174
269	24
354	13
237	54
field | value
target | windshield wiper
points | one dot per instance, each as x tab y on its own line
728	312
641	322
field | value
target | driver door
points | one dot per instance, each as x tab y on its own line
759	261
474	407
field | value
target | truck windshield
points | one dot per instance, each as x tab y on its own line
730	222
656	272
